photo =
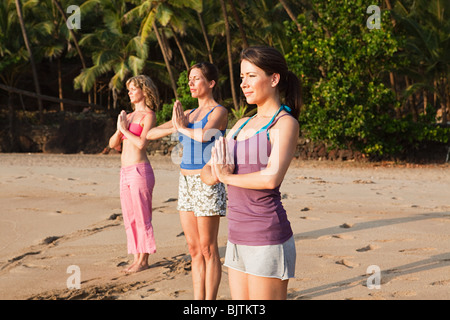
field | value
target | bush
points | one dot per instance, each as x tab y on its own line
344	67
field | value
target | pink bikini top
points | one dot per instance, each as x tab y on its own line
135	128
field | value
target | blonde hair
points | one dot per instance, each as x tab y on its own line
146	84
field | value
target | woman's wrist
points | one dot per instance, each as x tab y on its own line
225	177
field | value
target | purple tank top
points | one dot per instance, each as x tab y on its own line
255	217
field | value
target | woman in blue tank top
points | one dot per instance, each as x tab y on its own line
200	205
260	253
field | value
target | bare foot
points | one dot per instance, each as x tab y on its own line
126	270
136	268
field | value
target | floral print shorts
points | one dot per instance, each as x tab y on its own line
204	200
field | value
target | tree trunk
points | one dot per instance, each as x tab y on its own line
205	36
445	100
180	48
74	37
47	98
30	53
411	102
394	88
230	59
166	59
291	14
12	147
60	90
239	22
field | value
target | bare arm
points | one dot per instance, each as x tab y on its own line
140	142
284	139
216	120
160	131
115	140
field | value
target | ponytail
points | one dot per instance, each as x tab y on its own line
293	93
272	61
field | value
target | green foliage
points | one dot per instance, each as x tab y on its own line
115	48
343	66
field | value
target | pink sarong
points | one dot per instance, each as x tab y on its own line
136	188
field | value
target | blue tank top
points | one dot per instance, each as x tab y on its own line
195	153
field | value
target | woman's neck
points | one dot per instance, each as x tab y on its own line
205	102
140	106
268	108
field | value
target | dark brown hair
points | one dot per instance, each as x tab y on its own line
272	61
209	71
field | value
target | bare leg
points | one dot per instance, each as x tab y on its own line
262	288
208	229
238	282
189	225
249	287
201	236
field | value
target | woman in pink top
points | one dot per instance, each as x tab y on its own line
260	253
136	175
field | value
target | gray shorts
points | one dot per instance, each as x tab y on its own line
271	261
202	199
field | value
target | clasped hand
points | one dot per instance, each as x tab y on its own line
222	162
122	122
179	119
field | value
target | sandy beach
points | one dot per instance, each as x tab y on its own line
354	224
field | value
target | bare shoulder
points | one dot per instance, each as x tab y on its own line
220	109
218	112
289	121
287	125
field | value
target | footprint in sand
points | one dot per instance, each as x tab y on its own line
400	294
363	181
347	263
367	248
175	294
441	283
343	236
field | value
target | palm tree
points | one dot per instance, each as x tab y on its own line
152	11
50	32
13	61
269	28
115	49
180	20
427	27
205	36
73	37
31	57
239	23
229	53
291	14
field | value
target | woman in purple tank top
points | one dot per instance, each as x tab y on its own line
260	253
